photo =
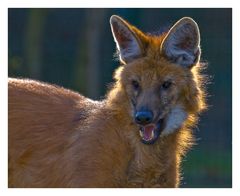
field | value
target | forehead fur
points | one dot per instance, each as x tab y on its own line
151	70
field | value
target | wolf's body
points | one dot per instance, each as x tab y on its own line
58	138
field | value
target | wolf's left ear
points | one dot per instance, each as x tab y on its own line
127	41
182	43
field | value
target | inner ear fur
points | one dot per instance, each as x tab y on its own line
182	43
127	40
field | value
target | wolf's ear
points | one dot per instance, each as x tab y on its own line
128	43
182	43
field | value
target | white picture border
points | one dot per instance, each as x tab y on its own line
5	4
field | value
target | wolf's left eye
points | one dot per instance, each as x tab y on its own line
135	84
166	84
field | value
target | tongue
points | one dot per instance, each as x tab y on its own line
147	132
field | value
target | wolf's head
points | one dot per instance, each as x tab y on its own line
159	76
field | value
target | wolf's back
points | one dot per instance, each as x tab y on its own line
42	119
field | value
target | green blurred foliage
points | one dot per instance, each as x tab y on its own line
74	48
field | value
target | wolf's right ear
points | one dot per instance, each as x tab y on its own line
182	43
128	44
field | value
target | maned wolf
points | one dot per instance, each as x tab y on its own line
136	137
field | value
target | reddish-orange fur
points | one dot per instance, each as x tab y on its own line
58	138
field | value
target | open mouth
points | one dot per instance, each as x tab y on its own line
150	133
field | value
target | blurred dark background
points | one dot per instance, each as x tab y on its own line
74	48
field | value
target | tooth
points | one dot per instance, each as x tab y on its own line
152	135
141	134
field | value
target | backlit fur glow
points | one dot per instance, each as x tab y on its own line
58	138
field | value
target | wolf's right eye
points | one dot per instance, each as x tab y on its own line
135	85
166	84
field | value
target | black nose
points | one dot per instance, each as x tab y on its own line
144	117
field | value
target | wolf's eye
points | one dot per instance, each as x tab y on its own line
166	85
135	84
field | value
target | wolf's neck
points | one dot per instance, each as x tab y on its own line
118	102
